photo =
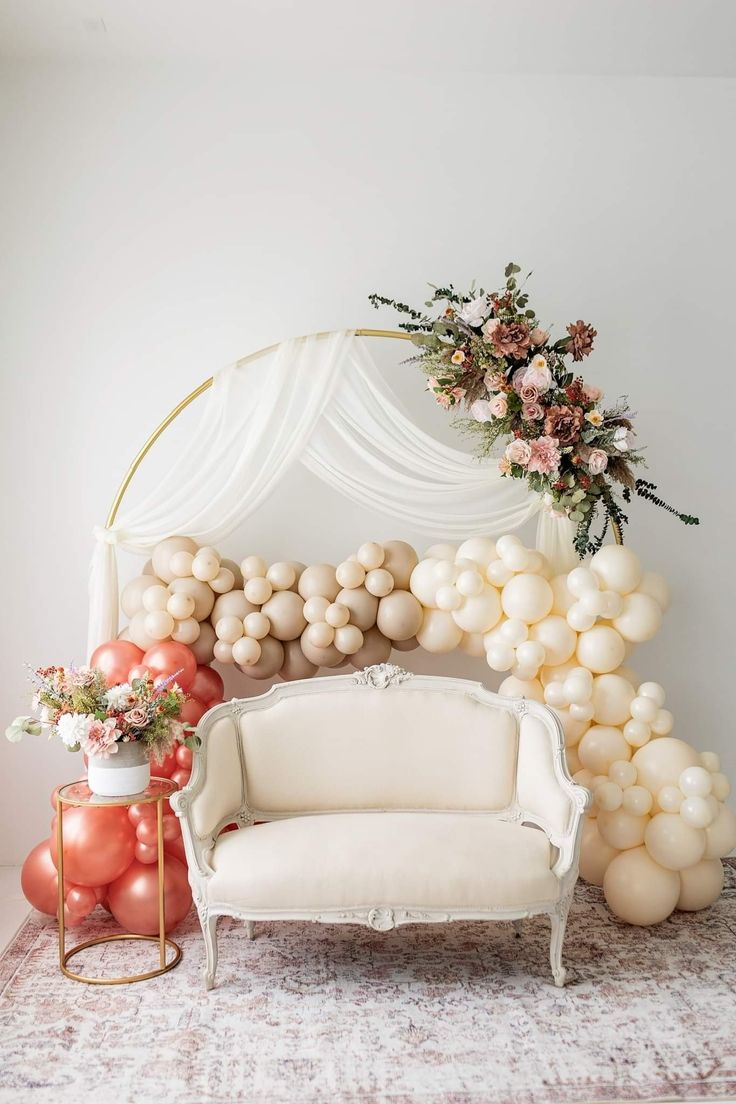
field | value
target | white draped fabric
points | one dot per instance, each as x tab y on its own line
321	401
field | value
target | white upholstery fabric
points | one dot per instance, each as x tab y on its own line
537	787
440	861
222	792
362	748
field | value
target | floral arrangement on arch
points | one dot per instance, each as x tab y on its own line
88	715
488	352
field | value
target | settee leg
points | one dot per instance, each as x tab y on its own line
250	929
209	930
558	921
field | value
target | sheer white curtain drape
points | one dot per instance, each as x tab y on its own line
322	401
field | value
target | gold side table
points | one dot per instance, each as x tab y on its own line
79	794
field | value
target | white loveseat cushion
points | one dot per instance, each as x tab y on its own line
352	860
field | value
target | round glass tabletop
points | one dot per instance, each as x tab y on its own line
79	793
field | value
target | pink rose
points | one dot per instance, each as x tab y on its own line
136	718
519	452
489	327
481	410
517	380
597	461
532	412
545	456
538	336
528	393
499	406
592	394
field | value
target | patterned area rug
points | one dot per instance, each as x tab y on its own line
450	1014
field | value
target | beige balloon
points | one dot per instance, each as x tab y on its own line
370	555
721	834
253	567
320	657
299	569
562	599
362	605
256	625
203	647
400	559
319	581
350	574
556	637
320	634
296	665
409	645
673	843
165	549
700	885
138	632
601	746
147	568
285	611
612	696
315	610
180	564
229	629
513	687
438	633
271	659
223	652
661	762
131	599
348	639
336	615
202	593
379	582
622	830
473	644
376	649
258	590
600	649
638	889
159	624
180	606
185	631
157	598
223	581
230	565
595	854
246	651
399	616
232	604
281	576
640	619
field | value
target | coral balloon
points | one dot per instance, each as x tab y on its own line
192	711
39	881
638	889
133	897
98	845
115	659
171	658
80	900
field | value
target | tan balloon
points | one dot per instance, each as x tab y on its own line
601	746
348	639
379	582
202	593
438	633
223	581
320	657
258	590
612	696
320	634
336	615
203	647
131	599
409	645
700	885
159	624
246	651
147	568
271	659
229	629
362	605
673	843
622	830
556	637
230	565
157	598
513	687
400	559
319	580
370	555
638	889
180	606
315	609
256	625
138	632
473	644
180	564
661	762
595	854
296	665
350	574
376	649
399	615
281	576
185	631
721	834
223	652
165	549
253	567
232	604
285	611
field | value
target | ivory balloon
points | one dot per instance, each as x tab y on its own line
673	843
246	651
256	625
513	687
371	555
206	565
652	690
185	631
223	581
319	580
362	605
639	890
399	615
469	583
481	550
272	656
600	649
721	834
295	665
423	584
320	657
138	633
527	597
379	582
376	649
131	598
581	580
620	828
562	599
285	611
700	885
572	760
579	619
480	612
203	647
438	633
601	746
281	576
640	618
165	549
573	728
595	854
612	696
350	574
233	604
661	762
400	559
202	593
617	568
556	637
348	639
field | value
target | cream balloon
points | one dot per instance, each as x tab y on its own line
138	633
637	733
672	843
696	812
579	619
700	885
562	599
315	609
229	629
362	605
237	574
581	580
270	661
695	782
258	590
131	598
448	598
348	639
572	760
281	576
203	648
623	772
527	597
609	796
652	690
637	801
376	649
622	829
721	785
601	746
159	624
371	555
481	550
655	586
350	574
556	674
721	834
319	580
640	618
422	583
644	709
669	799
638	889
661	762
246	651
223	652
320	634
498	573
513	687
180	606
663	723
444	551
473	644
256	625
612	696
336	615
379	582
595	854
617	568
285	611
439	633
556	637
165	549
600	649
202	593
156	598
500	657
400	559
530	654
479	613
253	567
186	631
206	565
232	604
399	615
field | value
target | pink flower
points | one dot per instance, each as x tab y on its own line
592	394
597	461
538	336
458	393
101	739
499	406
528	393
545	456
517	380
494	380
489	327
538	374
504	466
136	718
519	451
532	412
481	411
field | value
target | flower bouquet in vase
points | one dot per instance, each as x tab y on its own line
118	728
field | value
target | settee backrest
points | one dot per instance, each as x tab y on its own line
380	739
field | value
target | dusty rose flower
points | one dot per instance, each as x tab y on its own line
592	393
545	456
538	374
136	718
481	411
458	357
532	412
519	452
581	339
529	393
499	406
597	461
511	339
517	379
504	466
564	423
538	336
101	739
489	327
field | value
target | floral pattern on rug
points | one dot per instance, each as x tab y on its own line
447	1014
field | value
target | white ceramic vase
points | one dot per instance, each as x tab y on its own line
123	774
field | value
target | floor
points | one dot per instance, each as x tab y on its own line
13	906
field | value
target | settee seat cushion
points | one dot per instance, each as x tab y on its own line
416	860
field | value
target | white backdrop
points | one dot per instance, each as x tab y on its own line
161	222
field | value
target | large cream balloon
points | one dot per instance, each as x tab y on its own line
362	605
399	615
513	687
600	649
556	637
721	834
138	632
328	656
562	598
527	598
131	599
203	646
271	659
638	889
473	644
319	580
163	552
438	633
376	649
622	830
481	550
595	854
232	604
399	559
186	631
640	618
661	762
479	613
657	587
616	568
673	843
700	885
612	696
295	665
601	746
285	611
423	583
202	593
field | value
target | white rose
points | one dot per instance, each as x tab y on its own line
73	728
623	439
481	411
119	697
473	313
538	374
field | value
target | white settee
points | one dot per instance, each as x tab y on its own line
381	798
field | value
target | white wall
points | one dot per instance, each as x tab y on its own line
159	223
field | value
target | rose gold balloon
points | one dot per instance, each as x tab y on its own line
202	593
146	852
272	656
362	605
38	879
98	845
376	649
203	647
163	552
285	611
295	665
176	848
400	559
133	897
399	615
115	659
206	686
80	900
144	811
319	580
181	777
170	658
147	830
192	711
185	756
163	768
320	657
